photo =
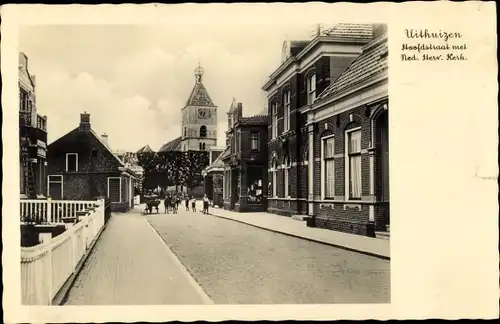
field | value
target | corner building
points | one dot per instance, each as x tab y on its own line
320	100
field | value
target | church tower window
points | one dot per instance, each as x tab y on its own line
203	131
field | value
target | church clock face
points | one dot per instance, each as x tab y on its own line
203	113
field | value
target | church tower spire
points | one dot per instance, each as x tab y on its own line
198	72
199	117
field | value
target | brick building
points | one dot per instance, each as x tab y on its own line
297	89
307	69
82	166
32	137
245	162
348	124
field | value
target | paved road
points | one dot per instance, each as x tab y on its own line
239	264
131	265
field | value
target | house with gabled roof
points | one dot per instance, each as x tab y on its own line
82	166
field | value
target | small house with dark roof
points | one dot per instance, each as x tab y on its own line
245	161
81	166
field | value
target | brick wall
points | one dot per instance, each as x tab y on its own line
340	215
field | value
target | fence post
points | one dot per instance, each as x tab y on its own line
46	239
49	210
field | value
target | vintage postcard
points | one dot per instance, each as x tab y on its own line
249	162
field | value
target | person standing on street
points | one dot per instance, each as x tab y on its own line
193	204
205	204
187	202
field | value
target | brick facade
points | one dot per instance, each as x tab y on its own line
335	76
96	164
243	166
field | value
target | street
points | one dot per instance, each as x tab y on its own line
221	262
239	264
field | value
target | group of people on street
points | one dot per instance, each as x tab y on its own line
172	202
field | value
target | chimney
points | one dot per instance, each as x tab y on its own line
105	138
85	122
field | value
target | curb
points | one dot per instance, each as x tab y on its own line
376	255
62	295
190	278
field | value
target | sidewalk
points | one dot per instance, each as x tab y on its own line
132	265
288	226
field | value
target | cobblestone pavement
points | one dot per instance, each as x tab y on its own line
130	265
240	264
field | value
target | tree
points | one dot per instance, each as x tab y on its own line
173	167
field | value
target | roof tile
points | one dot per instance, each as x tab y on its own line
372	61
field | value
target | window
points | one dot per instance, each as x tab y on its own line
286	108
286	175
94	153
328	151
202	146
115	189
55	186
254	141
274	109
229	121
275	178
354	164
71	162
238	137
23	100
203	131
311	89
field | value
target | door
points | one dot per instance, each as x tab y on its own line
55	187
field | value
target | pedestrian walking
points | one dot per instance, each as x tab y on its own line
193	204
187	203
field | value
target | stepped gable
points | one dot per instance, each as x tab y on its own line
173	145
372	61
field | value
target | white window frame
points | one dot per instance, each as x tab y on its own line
274	112
61	182
286	176
324	140
119	178
255	138
311	88
68	154
275	178
286	110
348	165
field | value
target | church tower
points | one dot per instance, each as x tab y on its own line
199	118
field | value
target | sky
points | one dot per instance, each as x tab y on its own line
135	79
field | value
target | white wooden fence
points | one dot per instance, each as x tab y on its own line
47	266
53	211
